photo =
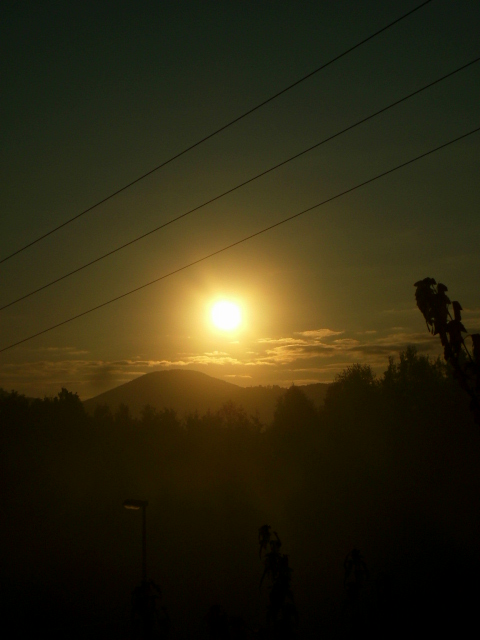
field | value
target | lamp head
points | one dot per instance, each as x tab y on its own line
135	504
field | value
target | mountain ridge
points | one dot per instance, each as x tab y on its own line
188	391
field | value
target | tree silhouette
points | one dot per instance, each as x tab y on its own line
123	416
433	302
354	385
294	412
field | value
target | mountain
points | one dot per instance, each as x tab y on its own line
189	391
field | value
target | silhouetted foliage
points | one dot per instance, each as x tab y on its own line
264	538
123	416
102	415
217	621
282	615
295	423
224	627
355	575
413	371
389	464
150	620
434	304
294	412
354	386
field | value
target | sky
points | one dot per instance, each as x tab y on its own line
95	94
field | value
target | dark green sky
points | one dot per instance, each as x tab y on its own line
95	94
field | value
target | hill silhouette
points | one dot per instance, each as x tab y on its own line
190	391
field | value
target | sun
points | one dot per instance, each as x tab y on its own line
226	315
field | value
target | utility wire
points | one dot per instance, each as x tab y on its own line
242	184
211	135
234	244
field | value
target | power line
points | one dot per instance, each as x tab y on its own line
211	135
242	184
234	244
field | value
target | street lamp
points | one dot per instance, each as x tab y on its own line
136	505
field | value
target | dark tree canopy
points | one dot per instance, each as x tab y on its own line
389	465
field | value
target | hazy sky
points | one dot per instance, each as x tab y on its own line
94	94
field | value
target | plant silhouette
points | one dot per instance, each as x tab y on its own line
282	615
217	622
433	302
149	621
263	538
272	558
355	575
221	626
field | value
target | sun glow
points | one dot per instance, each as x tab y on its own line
226	315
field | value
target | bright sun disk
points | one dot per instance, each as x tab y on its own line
226	315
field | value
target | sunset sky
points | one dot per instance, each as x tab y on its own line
95	94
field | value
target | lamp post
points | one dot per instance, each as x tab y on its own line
136	505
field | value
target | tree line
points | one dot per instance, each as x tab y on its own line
387	465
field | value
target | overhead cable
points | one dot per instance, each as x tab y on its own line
242	240
216	132
242	184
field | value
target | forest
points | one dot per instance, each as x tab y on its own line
371	501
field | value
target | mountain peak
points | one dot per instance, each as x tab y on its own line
188	391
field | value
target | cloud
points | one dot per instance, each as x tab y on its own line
312	355
282	351
280	341
288	349
209	359
63	350
302	381
318	334
214	354
346	342
86	377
